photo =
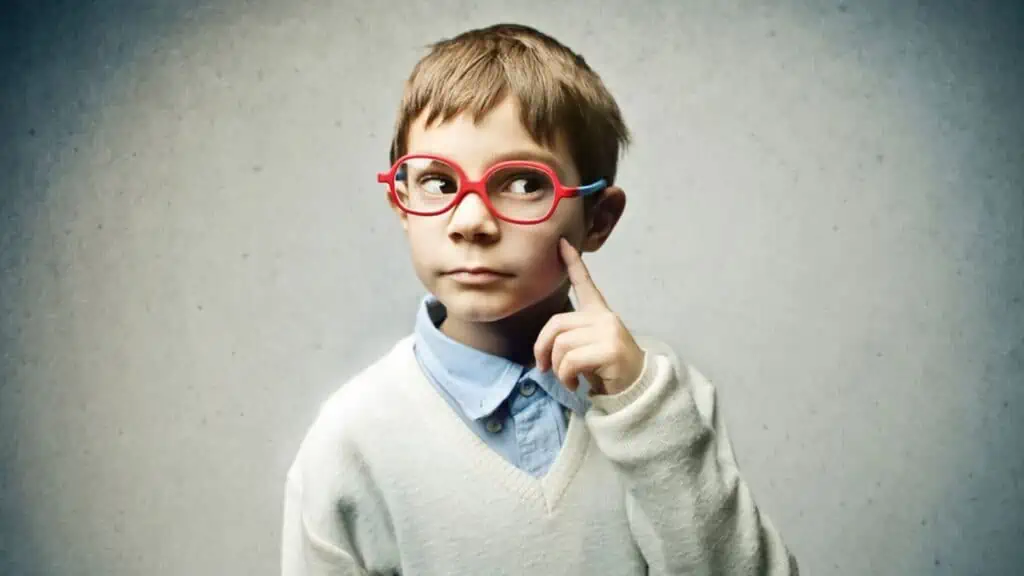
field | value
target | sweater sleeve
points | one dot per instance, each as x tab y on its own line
304	552
689	510
335	520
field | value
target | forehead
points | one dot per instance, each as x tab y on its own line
476	145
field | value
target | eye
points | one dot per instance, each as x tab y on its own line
527	184
437	184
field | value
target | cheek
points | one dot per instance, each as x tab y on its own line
545	271
423	253
548	265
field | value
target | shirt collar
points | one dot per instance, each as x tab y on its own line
478	381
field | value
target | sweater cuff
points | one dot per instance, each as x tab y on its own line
610	404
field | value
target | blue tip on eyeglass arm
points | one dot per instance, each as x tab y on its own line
592	188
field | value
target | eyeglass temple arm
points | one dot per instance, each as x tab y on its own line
591	188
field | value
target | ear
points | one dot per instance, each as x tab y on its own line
402	216
604	215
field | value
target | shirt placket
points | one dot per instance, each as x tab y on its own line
537	434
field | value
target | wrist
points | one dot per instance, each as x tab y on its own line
613	400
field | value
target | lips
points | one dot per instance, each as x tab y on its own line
476	276
478	270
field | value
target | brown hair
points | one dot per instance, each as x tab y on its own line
555	88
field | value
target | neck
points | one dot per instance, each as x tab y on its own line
512	337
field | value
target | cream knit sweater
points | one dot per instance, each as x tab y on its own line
388	480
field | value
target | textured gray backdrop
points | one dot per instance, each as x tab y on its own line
826	216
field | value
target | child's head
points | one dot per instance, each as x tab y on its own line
500	93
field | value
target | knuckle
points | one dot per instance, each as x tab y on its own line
568	363
561	339
542	342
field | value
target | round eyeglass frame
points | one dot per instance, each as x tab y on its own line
479	187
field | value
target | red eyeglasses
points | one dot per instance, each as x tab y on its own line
516	191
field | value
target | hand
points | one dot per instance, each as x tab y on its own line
590	341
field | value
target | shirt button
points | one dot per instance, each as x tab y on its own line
528	388
493	426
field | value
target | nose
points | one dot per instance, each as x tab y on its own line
471	220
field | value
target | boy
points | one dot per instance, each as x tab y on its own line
513	432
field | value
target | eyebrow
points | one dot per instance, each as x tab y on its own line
534	155
426	164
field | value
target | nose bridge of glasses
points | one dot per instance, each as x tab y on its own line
480	180
483	186
471	208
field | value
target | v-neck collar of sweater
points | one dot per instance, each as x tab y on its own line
547	489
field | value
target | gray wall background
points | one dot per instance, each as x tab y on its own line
826	217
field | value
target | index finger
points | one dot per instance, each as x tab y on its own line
586	291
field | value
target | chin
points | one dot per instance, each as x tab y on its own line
481	306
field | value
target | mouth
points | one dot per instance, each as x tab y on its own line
478	275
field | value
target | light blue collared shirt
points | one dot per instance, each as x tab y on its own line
520	412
